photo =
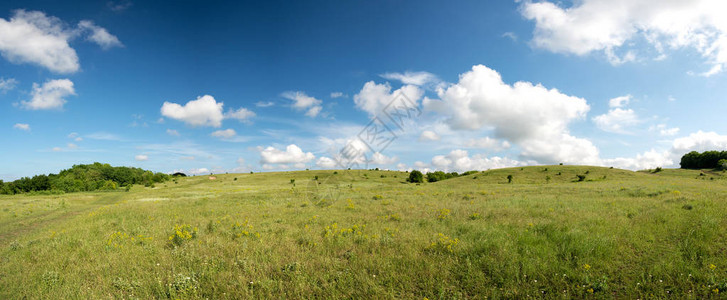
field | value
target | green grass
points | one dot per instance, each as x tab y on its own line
368	234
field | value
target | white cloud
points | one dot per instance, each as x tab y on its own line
224	134
75	137
647	160
413	78
71	146
428	136
205	111
531	116
301	101
663	130
460	161
33	37
141	157
57	149
619	101
510	35
326	163
119	6
374	97
487	143
264	103
104	136
699	141
242	114
617	120
381	159
291	155
335	95
313	111
199	171
22	126
50	95
610	25
7	85
99	35
173	132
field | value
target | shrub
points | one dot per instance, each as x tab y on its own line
722	164
442	214
415	177
509	178
581	177
443	244
182	233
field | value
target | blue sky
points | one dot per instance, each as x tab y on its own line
271	85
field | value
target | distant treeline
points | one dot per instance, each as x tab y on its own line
417	177
96	176
704	160
439	175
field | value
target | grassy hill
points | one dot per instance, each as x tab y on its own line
364	234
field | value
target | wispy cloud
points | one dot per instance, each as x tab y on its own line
104	136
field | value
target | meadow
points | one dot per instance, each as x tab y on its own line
370	234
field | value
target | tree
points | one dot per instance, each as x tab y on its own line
509	178
415	177
721	164
704	160
84	178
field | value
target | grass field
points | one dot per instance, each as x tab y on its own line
368	234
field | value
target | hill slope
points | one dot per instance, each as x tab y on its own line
363	234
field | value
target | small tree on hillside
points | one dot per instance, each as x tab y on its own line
415	177
509	178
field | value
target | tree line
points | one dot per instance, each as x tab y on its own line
417	177
704	160
80	178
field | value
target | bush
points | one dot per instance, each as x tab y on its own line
415	177
581	177
722	164
509	178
